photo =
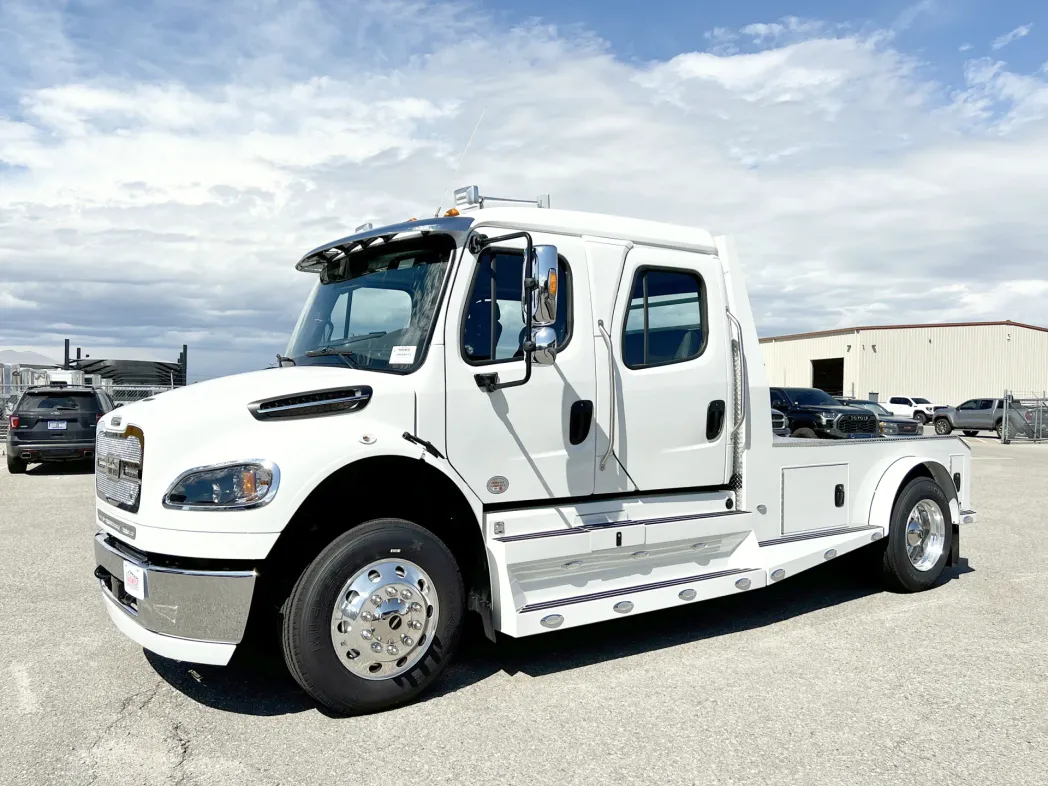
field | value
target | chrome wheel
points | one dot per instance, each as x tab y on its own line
942	426
384	618
925	535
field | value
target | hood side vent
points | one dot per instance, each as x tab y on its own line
315	403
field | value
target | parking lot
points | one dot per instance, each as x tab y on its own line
821	679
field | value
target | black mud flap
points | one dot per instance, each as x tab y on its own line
955	549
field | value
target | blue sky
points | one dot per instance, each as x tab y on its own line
877	162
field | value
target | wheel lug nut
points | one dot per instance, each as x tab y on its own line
405	594
391	591
376	599
376	647
392	649
366	634
367	616
415	607
407	641
415	625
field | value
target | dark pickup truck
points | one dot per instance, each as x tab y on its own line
812	413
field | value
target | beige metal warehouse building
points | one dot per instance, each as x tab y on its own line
945	363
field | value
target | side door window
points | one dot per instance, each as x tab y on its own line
494	327
967	405
666	319
903	401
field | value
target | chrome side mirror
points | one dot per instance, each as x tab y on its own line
544	268
545	342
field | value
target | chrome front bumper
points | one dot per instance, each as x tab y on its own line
206	606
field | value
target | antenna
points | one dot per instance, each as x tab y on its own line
461	158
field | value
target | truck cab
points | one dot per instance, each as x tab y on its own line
546	418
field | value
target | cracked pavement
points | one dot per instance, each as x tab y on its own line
821	679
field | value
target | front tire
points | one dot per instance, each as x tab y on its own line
920	417
920	537
15	465
804	433
374	620
943	427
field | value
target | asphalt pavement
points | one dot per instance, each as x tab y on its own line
822	679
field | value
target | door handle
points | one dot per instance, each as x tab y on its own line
714	420
579	424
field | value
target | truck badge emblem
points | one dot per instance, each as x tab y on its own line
497	485
115	421
113	467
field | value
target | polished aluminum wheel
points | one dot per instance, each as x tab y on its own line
925	534
384	618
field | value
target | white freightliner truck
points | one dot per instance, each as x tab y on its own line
546	417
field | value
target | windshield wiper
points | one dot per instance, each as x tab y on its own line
354	339
342	354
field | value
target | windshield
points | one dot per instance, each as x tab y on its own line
375	308
811	398
921	401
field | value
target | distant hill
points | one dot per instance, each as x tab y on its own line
34	358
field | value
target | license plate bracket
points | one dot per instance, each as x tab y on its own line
56	425
134	580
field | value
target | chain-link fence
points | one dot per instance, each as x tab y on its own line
1025	417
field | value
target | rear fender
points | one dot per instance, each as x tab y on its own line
901	472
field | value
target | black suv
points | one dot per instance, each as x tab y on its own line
812	413
54	423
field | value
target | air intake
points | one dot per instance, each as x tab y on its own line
314	404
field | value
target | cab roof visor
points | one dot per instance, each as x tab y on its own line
334	252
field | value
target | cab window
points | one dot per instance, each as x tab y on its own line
666	319
493	328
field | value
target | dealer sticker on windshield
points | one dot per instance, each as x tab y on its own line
402	356
134	580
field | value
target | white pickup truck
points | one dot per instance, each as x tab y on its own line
545	417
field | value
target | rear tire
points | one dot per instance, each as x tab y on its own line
998	429
943	427
322	659
920	537
968	433
804	433
15	465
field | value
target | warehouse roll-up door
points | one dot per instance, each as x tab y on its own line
827	374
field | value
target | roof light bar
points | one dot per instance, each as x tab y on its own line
470	196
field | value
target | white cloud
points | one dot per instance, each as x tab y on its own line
964	47
1002	41
175	202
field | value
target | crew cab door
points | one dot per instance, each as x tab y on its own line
669	338
539	437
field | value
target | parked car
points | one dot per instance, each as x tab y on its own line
812	413
779	426
888	424
984	414
54	423
913	407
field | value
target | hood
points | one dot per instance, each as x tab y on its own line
209	423
831	409
223	401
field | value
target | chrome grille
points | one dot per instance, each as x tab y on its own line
114	480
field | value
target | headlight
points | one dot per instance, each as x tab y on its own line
889	428
233	486
826	420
